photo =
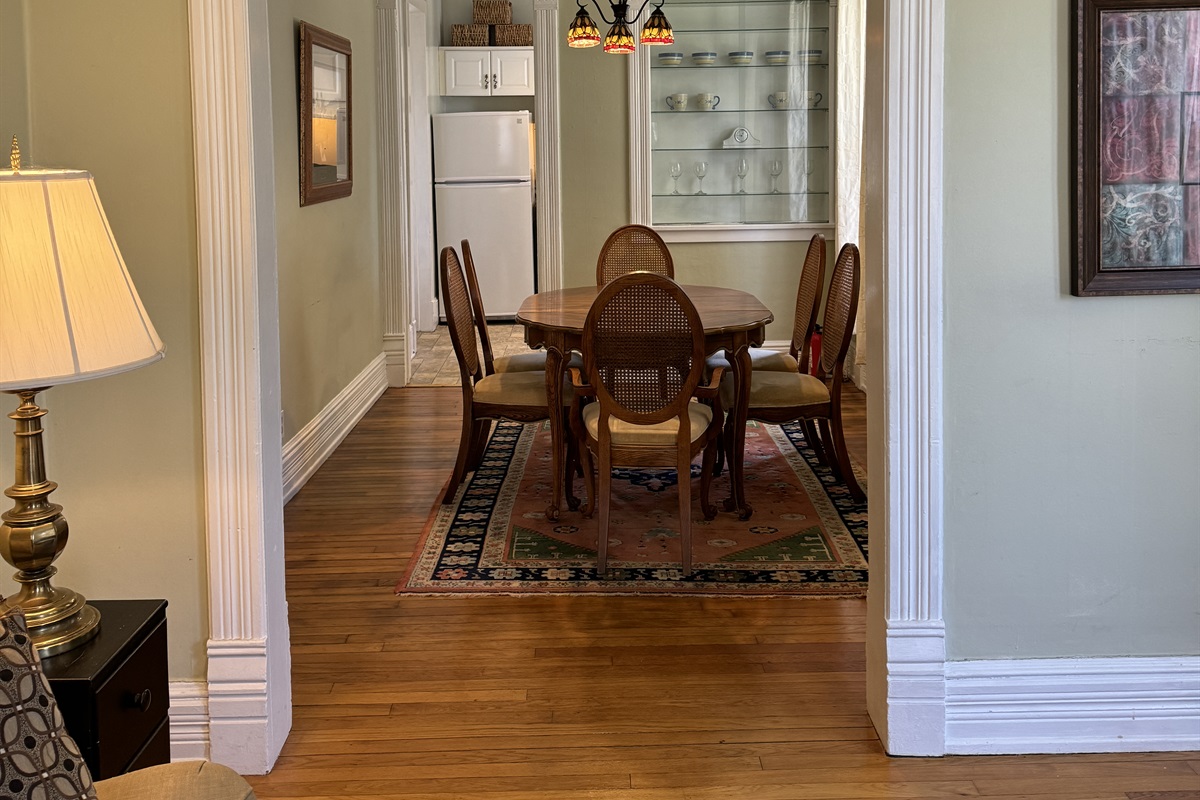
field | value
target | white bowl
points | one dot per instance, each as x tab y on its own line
810	56
778	56
670	59
741	57
704	59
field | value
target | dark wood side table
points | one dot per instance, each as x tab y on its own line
112	691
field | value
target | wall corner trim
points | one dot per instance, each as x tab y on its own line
1073	705
188	712
305	452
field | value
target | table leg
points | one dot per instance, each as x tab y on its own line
737	448
555	363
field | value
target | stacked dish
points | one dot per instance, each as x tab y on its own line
810	56
670	59
777	56
705	59
741	57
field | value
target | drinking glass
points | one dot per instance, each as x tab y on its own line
701	171
676	171
742	168
776	168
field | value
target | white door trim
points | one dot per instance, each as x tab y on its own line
249	650
391	78
906	507
546	35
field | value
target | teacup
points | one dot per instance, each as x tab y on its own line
813	99
707	102
677	102
778	99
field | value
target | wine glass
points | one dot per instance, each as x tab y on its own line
776	168
676	171
701	171
742	168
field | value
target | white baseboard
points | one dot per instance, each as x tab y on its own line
1073	705
396	350
189	720
308	449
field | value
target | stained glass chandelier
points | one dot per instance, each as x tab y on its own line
584	33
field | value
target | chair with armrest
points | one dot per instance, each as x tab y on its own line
39	759
633	248
643	350
519	396
780	397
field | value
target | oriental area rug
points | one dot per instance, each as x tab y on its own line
807	536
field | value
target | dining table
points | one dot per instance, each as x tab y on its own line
733	320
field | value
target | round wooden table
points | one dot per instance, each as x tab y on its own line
733	321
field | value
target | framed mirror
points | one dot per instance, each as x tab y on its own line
326	150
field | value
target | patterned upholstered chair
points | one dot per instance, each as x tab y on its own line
39	759
786	396
643	350
633	248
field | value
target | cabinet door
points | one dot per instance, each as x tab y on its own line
467	72
512	71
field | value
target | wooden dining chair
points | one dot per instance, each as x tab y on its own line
808	296
780	397
519	396
804	322
633	248
643	352
534	360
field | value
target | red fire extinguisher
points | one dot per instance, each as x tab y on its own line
814	364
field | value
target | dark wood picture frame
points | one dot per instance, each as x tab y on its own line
1114	201
325	91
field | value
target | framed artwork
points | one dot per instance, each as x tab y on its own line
326	151
1136	209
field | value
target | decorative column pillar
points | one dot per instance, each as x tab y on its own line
546	35
390	80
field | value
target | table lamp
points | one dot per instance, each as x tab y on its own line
68	312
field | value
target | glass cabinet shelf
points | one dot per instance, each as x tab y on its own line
761	134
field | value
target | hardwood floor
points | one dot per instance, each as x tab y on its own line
549	698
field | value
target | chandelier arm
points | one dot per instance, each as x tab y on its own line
600	11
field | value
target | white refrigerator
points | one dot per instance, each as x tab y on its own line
483	192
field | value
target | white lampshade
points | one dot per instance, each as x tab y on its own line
68	309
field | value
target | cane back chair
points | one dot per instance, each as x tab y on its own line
533	361
780	397
643	350
633	248
519	396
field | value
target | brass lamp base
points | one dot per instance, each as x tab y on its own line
32	535
59	619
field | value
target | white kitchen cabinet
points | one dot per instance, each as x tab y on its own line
487	71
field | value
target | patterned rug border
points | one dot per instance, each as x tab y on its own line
517	440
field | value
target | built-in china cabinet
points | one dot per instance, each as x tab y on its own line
733	125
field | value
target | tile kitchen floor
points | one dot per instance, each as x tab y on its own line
435	364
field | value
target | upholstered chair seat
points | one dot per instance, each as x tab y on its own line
517	389
774	389
533	361
658	435
762	359
183	780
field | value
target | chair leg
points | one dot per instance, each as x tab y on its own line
605	492
571	467
684	483
706	477
843	457
464	453
827	444
479	438
719	457
814	441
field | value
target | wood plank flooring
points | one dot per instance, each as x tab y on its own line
549	698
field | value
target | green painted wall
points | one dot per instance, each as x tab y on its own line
109	90
14	78
330	322
1072	425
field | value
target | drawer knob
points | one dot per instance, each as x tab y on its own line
141	700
